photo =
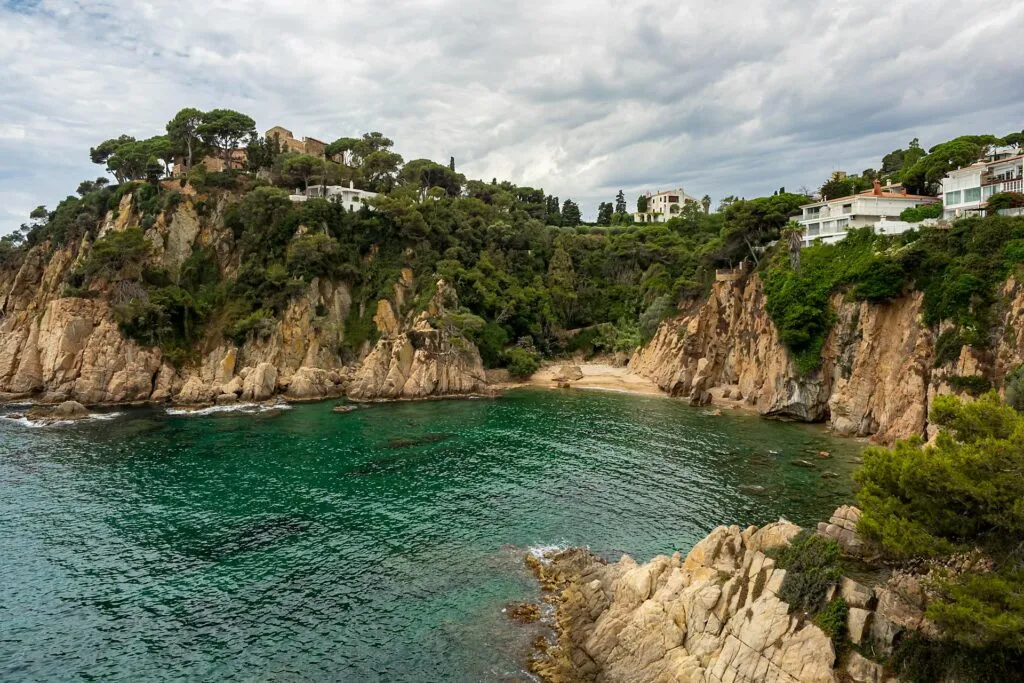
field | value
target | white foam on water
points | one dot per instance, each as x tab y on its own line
37	424
236	408
543	552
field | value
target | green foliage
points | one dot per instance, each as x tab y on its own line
1005	200
916	214
521	363
313	255
224	130
832	620
660	309
972	384
119	255
491	339
813	565
922	502
917	659
1014	385
982	610
359	329
947	346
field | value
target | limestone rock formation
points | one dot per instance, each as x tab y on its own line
419	359
713	617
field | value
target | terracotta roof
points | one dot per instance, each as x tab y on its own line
871	193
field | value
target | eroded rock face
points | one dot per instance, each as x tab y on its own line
59	348
424	358
712	617
876	377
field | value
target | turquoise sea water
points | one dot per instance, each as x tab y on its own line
377	545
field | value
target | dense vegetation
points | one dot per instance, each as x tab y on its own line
963	494
959	270
536	279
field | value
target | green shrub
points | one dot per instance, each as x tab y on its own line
313	255
490	340
916	214
972	384
119	255
917	659
661	308
982	610
947	347
832	620
521	363
1014	384
813	565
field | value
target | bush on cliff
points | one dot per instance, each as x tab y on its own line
965	491
813	565
959	271
118	255
967	487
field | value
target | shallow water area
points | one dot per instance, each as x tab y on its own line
379	544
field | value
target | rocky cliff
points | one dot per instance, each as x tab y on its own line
421	356
877	376
55	347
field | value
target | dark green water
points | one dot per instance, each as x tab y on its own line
382	544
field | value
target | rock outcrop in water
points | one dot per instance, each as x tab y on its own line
420	357
713	617
877	376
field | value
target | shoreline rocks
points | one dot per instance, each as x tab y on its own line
714	616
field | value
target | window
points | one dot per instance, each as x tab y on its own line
988	191
847	208
972	194
952	197
842	224
827	226
673	199
812	229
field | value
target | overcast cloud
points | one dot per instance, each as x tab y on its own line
579	97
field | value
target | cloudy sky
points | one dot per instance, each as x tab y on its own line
580	97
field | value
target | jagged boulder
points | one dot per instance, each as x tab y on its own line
428	357
260	383
70	410
568	373
314	383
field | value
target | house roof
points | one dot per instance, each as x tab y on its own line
873	193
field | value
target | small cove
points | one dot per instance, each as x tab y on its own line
379	544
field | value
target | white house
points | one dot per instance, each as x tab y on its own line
966	190
349	197
662	206
829	219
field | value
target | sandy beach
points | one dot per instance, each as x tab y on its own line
597	376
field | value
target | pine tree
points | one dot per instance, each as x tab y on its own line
620	203
604	213
570	213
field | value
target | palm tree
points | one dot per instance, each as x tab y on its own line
793	233
706	203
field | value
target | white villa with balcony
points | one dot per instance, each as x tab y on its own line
967	190
349	197
661	206
829	219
